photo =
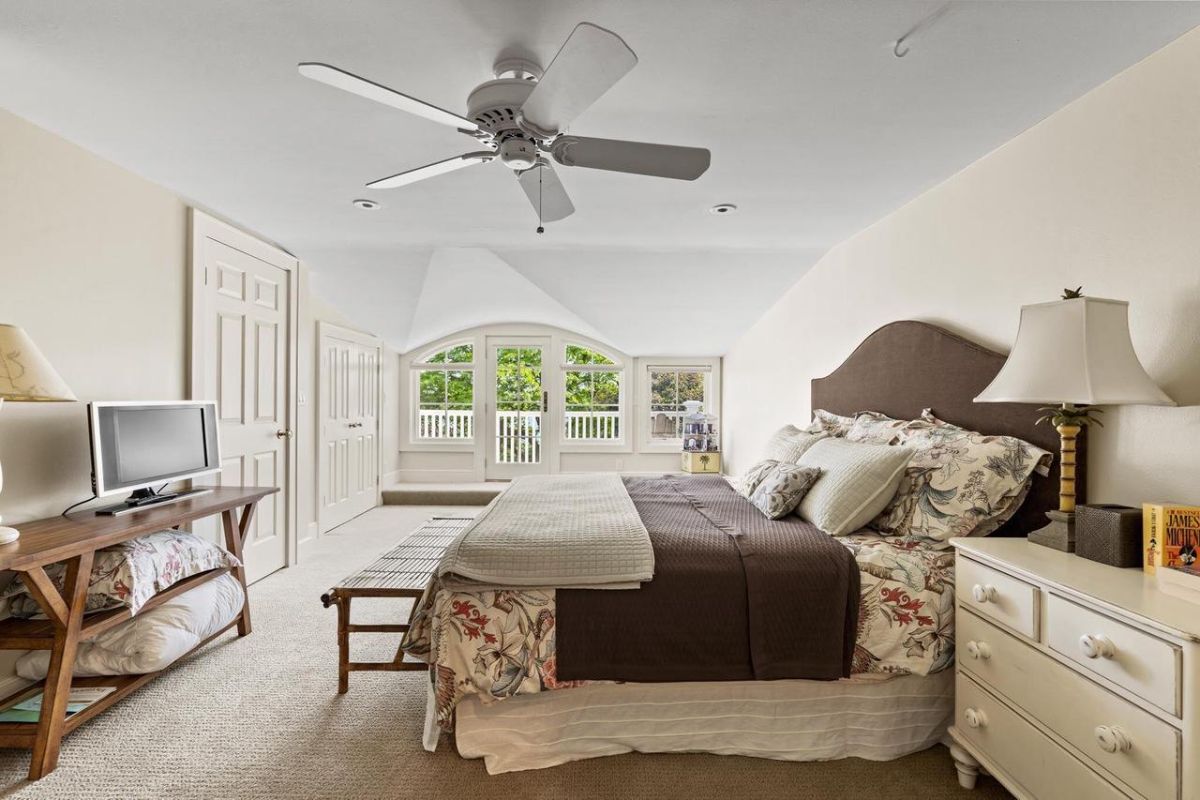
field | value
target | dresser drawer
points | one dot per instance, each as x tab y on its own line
1144	749
1008	600
1044	770
1131	658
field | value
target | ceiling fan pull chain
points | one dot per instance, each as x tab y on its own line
540	227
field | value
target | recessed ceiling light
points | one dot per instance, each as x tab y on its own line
365	205
723	208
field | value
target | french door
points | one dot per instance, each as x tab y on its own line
520	424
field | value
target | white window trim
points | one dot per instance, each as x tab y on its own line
623	444
417	443
647	444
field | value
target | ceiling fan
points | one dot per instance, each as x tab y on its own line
520	117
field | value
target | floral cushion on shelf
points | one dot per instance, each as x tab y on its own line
130	573
789	443
959	482
829	423
754	476
872	427
782	489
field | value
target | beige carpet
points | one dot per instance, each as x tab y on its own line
260	718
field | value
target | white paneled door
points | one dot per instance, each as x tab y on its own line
348	462
243	349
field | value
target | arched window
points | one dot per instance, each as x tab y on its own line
445	382
591	396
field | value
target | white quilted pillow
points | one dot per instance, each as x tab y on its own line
857	481
789	443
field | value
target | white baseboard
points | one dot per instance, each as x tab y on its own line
435	476
388	478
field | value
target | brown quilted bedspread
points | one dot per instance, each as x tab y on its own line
735	596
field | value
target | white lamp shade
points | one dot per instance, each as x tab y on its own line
25	374
1074	351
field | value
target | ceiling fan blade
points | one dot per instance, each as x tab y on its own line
589	63
340	79
545	191
639	158
430	170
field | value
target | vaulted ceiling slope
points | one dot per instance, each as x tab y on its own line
816	130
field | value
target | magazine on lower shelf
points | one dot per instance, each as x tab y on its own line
29	709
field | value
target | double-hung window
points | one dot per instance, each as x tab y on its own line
591	397
445	387
671	387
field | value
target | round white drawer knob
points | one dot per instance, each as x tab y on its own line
975	717
1112	739
983	592
979	650
1097	645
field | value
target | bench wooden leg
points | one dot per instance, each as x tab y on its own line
343	612
235	537
57	688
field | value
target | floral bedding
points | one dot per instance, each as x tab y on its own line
500	643
130	573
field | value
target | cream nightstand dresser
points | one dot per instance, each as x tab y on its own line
1074	679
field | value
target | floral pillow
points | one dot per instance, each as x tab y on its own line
829	423
789	443
872	427
130	573
782	489
959	482
754	476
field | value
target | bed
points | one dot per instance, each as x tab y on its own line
893	697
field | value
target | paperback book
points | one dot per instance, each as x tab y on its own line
1171	537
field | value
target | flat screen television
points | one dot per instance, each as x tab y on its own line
139	445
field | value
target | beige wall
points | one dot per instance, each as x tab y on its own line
93	264
1104	193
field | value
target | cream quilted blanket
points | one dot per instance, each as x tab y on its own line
561	531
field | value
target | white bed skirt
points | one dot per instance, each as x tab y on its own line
868	716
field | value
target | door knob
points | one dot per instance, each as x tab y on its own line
284	434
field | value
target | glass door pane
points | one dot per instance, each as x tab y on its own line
519	404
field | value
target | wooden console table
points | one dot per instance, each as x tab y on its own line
75	540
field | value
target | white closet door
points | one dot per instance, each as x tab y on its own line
348	469
243	359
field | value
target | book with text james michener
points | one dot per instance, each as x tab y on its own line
1171	537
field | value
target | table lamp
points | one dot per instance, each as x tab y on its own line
1075	353
25	377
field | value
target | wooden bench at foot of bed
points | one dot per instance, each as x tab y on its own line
403	571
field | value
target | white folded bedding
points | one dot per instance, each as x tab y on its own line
567	531
155	638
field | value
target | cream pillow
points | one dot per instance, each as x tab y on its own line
857	481
789	443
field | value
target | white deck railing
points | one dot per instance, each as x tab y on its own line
519	433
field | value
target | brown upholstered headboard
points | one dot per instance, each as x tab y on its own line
908	366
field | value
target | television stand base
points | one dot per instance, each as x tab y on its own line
121	509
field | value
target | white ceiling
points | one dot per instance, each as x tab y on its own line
816	130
